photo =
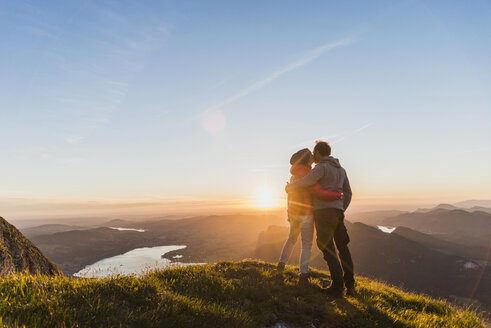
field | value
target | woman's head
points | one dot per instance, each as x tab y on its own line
302	157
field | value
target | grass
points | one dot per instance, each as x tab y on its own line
226	294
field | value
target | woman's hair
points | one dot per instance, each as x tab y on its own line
301	157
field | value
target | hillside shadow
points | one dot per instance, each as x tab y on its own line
366	315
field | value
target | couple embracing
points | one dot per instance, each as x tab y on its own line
319	197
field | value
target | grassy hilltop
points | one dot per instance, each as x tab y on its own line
227	294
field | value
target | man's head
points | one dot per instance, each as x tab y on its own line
321	149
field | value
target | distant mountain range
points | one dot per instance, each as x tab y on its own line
448	207
377	217
474	203
428	266
480	209
471	226
455	207
459	226
479	254
49	229
374	217
208	239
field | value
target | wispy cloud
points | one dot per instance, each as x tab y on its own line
95	86
308	57
33	153
74	140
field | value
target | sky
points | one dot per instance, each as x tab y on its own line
194	102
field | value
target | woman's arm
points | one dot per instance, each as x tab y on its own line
309	180
324	194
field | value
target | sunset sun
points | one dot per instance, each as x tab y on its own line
265	198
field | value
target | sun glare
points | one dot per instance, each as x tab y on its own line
265	199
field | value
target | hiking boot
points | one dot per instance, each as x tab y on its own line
351	291
304	280
280	267
334	292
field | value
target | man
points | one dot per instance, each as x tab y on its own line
329	217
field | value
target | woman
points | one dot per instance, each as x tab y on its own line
300	212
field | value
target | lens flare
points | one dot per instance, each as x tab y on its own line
214	121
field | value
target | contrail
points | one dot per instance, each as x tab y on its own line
350	133
307	58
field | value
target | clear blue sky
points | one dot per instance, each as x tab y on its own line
208	99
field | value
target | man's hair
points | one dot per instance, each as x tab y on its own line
301	157
323	148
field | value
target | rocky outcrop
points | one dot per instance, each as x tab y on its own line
18	254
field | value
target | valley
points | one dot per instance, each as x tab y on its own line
421	254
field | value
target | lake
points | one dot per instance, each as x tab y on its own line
127	229
136	261
386	229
